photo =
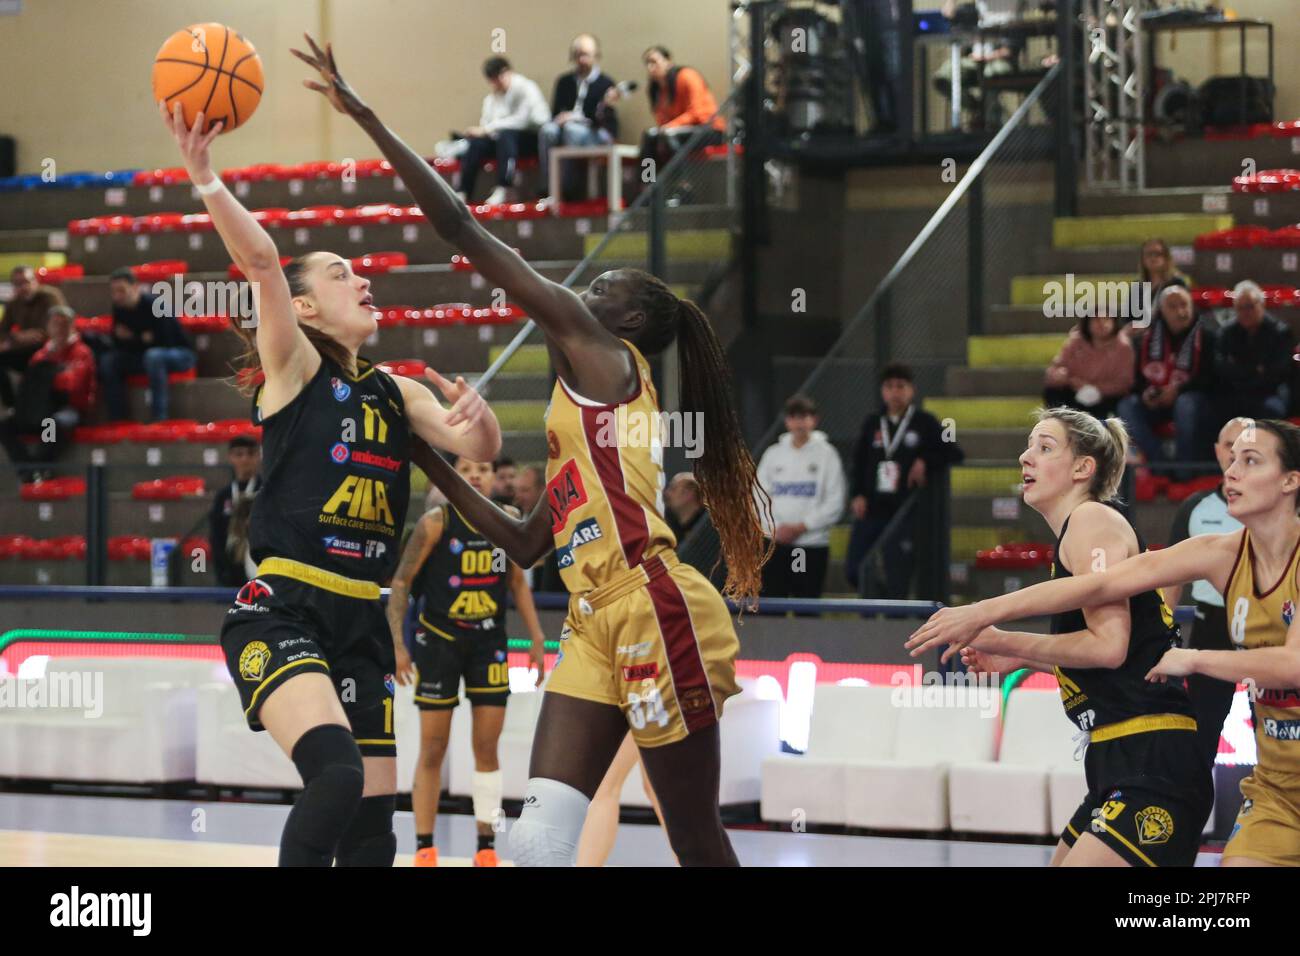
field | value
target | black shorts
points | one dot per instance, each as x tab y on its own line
1149	795
280	627
442	657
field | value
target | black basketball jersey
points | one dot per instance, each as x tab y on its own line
463	581
1097	696
337	477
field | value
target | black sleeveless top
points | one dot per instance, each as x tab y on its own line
1097	696
337	479
463	581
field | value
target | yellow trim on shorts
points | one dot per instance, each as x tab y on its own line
372	743
441	633
487	690
316	577
435	700
1142	725
1119	836
1073	832
252	701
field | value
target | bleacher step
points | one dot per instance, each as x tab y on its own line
985	411
963	381
1134	229
1012	351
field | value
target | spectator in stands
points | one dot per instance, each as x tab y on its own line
1094	368
580	114
231	509
989	56
1173	381
1206	512
1156	266
530	485
56	394
512	115
503	481
145	339
698	543
1253	361
22	330
899	448
681	101
803	475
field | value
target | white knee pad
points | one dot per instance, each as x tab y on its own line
547	831
486	793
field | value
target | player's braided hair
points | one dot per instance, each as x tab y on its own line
248	365
726	471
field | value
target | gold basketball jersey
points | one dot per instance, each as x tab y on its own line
1262	620
605	481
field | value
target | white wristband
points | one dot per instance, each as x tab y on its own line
207	189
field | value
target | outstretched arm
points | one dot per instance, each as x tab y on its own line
584	342
468	428
524	540
286	355
426	534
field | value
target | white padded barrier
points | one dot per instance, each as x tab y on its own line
141	730
1011	794
513	749
849	722
231	755
908	789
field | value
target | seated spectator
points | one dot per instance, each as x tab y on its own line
1156	266
512	114
682	103
503	481
1173	381
1094	368
56	394
231	509
22	330
988	56
898	449
698	543
803	475
580	115
1253	360
530	485
143	341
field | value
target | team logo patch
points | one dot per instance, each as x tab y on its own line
1154	825
633	672
341	389
252	592
456	546
552	444
390	685
565	631
564	493
339	454
253	660
585	533
499	655
693	699
454	581
1288	612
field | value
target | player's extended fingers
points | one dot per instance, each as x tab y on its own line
920	635
329	59
166	116
212	134
321	59
444	386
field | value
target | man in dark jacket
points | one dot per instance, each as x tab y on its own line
1174	380
146	338
22	330
1253	360
900	448
579	114
231	508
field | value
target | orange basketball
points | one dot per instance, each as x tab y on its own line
212	68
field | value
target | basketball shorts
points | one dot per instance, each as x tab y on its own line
295	619
1149	793
658	642
1268	825
443	657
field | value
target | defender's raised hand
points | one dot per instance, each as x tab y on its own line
335	88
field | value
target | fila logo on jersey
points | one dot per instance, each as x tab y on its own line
341	389
472	606
339	454
366	498
564	493
585	533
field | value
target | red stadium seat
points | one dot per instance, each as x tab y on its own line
395	315
14	546
107	434
373	263
161	177
157	222
196	544
448	313
54	275
1287	237
161	433
168	489
373	214
1211	297
272	216
103	324
409	368
1015	556
1238	237
1268	181
582	208
374	167
196	222
53	489
406	214
128	547
203	325
161	269
224	430
314	216
142	381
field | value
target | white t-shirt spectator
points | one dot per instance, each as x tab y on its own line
521	106
806	485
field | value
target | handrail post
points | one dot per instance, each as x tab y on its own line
96	524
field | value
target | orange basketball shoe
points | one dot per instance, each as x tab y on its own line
427	857
487	857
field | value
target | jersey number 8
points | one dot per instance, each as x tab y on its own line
1237	629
